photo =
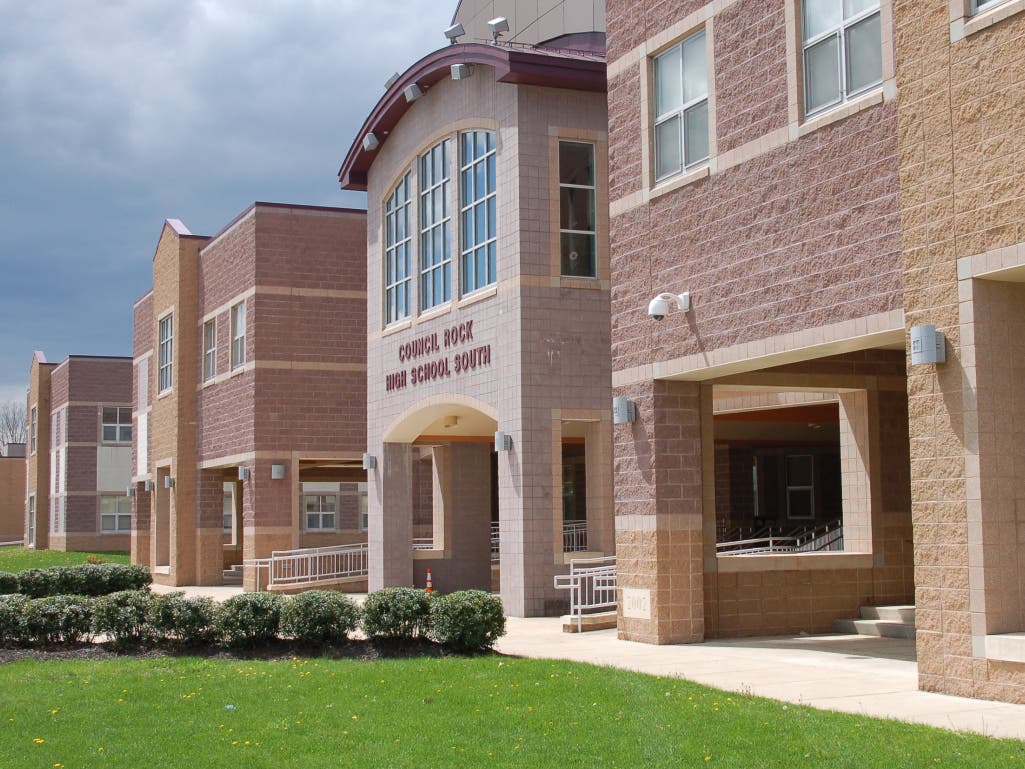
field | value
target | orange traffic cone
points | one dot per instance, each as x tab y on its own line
430	582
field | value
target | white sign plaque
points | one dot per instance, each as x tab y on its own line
636	603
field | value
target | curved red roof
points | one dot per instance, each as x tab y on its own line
553	68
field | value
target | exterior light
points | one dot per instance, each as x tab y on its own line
243	473
454	32
369	462
370	142
624	411
391	81
461	71
277	472
927	345
168	482
148	486
412	92
503	442
497	26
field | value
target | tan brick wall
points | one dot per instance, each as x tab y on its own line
961	121
37	463
12	498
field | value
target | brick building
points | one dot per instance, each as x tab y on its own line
761	179
487	308
961	80
78	458
12	492
249	392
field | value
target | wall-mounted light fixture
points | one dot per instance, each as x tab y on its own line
370	142
130	491
277	472
147	486
412	92
927	345
454	32
624	410
497	26
461	71
168	482
391	80
369	462
243	473
503	442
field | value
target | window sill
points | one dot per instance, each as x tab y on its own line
398	326
478	296
429	555
961	28
1005	647
165	394
734	564
844	110
434	312
676	182
579	282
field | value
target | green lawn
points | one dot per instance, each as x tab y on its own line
19	559
449	712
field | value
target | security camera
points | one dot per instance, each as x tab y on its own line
658	307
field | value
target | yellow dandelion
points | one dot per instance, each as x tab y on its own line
38	741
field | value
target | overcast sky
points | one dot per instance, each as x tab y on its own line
117	115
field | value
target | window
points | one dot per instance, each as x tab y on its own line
117	424
435	230
577	209
165	353
477	210
33	429
681	107
238	335
320	511
32	520
978	6
115	514
364	509
800	486
397	247
209	350
843	51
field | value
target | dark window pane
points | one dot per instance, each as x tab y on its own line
578	255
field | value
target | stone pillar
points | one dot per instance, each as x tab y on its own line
856	469
266	514
658	483
209	528
390	518
466	500
141	522
601	525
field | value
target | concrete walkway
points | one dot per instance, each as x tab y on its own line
849	673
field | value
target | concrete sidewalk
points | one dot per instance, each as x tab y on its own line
850	673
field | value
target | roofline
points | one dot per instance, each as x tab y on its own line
516	65
70	358
252	207
142	299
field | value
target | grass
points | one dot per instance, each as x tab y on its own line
447	712
19	558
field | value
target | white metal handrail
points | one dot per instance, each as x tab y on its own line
18	542
423	543
495	543
312	564
591	583
574	536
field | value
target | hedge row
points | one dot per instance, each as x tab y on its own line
88	579
468	620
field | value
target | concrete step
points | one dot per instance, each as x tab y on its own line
904	614
233	576
874	627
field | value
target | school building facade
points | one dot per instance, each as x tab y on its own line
249	388
78	456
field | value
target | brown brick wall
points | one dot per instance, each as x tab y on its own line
100	380
631	22
12	498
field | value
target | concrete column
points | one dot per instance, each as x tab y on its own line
142	516
856	467
209	528
467	514
601	528
266	513
658	479
390	518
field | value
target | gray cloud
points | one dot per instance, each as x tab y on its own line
118	115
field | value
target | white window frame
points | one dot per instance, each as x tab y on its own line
238	340
593	188
803	488
165	353
33	429
209	350
122	522
975	7
122	428
320	513
31	528
839	31
398	246
473	204
363	505
681	112
435	225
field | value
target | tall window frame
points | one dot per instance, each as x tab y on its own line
33	429
116	424
478	210
165	353
209	350
681	136
321	512
238	335
115	514
435	225
834	35
31	520
578	209
398	242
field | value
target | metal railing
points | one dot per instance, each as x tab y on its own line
311	564
574	536
423	543
17	542
591	583
495	543
809	539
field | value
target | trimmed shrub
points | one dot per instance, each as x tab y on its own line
58	619
175	617
249	618
467	620
319	616
36	583
397	613
87	579
123	616
12	614
9	583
